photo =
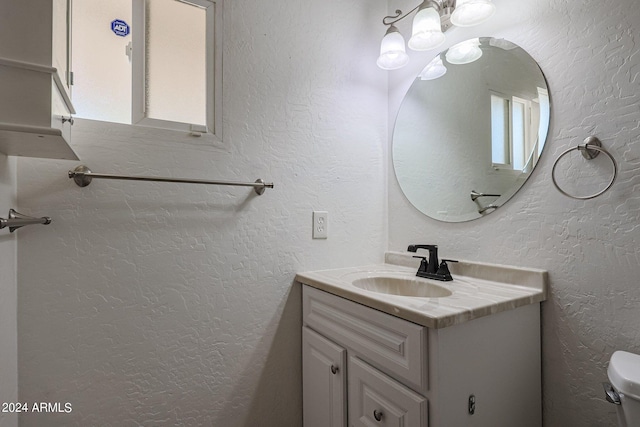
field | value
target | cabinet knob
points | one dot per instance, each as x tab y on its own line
377	415
334	369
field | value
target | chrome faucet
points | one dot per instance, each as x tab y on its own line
432	269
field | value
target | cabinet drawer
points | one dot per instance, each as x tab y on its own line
393	345
377	400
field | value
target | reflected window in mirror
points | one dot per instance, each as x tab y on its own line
512	140
160	67
500	131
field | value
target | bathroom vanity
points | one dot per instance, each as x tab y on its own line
382	347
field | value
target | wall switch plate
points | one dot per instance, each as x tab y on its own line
320	224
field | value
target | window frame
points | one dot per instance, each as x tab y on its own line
511	100
507	149
214	27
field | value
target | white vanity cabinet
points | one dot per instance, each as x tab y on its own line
35	80
368	368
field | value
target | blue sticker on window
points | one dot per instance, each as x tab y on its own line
120	28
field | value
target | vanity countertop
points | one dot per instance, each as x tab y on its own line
478	289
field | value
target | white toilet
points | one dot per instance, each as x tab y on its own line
624	390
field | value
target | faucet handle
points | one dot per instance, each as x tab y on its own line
443	269
432	265
423	264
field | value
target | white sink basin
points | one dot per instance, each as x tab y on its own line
413	287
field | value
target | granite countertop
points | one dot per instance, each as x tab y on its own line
478	289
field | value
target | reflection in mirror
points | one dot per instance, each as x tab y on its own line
470	132
155	68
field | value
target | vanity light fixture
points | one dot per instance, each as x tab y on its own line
433	18
392	52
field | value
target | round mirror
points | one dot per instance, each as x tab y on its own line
471	129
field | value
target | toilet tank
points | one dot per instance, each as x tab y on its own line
624	374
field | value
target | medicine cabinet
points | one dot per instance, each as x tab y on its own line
35	80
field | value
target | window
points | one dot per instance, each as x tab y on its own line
513	142
500	144
162	68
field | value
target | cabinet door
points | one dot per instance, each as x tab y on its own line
61	42
377	400
391	344
324	381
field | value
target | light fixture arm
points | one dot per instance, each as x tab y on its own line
440	6
397	15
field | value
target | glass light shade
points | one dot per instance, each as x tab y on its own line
472	12
427	30
434	69
392	51
465	52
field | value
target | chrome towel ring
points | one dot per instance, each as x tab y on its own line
590	150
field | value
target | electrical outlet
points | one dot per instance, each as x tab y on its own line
320	224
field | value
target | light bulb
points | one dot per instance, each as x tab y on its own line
472	12
434	69
392	51
427	30
465	52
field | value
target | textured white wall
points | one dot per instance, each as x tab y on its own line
589	52
158	303
166	304
8	295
